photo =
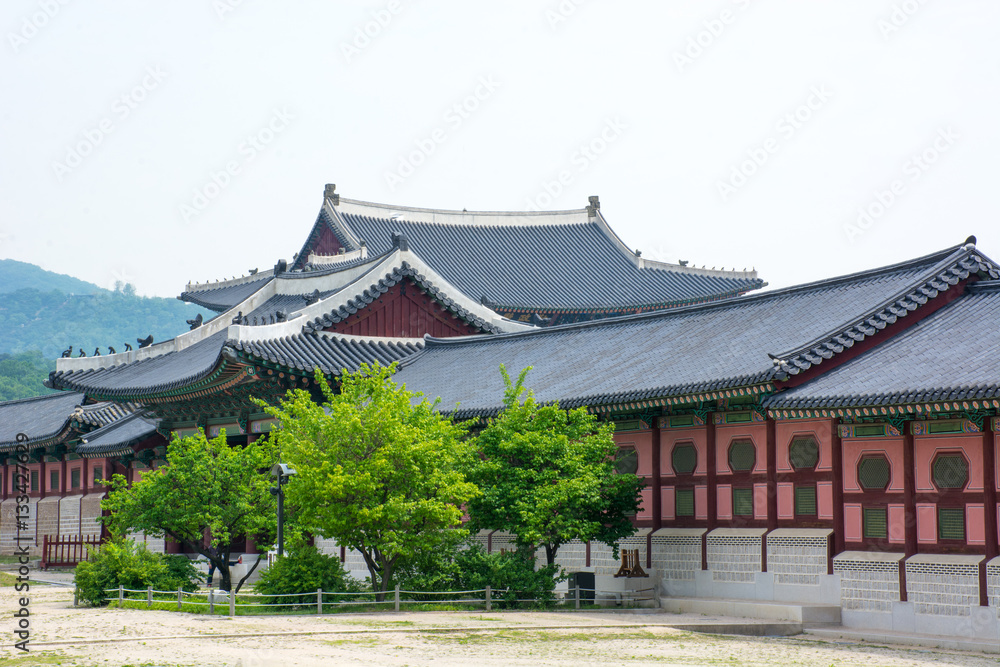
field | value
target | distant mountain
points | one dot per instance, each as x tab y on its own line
39	321
16	275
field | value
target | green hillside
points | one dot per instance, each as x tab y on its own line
36	325
16	276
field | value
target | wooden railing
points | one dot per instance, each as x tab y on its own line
66	550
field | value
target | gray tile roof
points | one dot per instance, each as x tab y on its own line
102	414
117	436
148	376
680	351
223	298
558	266
950	355
330	352
40	418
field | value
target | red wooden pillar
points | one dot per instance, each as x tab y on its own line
772	476
837	453
710	482
909	507
656	480
990	500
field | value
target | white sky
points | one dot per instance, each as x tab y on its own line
676	129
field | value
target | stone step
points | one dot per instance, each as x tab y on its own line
834	633
798	612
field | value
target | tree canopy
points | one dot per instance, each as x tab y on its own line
378	468
208	488
547	475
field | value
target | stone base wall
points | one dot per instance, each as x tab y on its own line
869	582
735	554
48	518
943	585
90	514
798	557
8	527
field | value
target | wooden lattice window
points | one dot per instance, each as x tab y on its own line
742	456
951	523
876	522
805	500
951	471
803	452
684	502
742	502
626	461
34	481
74	478
98	474
684	459
54	480
873	473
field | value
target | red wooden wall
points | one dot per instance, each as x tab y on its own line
404	311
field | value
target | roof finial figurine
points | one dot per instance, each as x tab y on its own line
128	347
595	205
238	318
82	353
330	192
281	316
145	342
682	262
196	322
253	272
97	351
68	352
111	350
311	298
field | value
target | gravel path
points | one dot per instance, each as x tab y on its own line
66	635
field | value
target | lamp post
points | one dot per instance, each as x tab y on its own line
282	472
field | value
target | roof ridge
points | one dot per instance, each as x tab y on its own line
463	212
41	397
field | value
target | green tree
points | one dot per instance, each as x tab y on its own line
547	475
377	470
207	496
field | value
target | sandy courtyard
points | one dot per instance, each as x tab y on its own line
64	635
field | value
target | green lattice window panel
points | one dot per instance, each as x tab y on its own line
98	474
53	480
684	459
805	500
876	523
951	523
627	461
742	456
74	478
804	453
34	481
742	502
684	502
873	473
951	471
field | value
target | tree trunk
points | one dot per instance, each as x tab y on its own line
550	553
249	572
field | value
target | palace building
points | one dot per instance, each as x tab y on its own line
832	442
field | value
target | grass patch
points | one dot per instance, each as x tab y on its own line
34	658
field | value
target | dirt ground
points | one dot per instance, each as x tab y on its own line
64	635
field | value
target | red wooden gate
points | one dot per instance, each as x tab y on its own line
66	551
